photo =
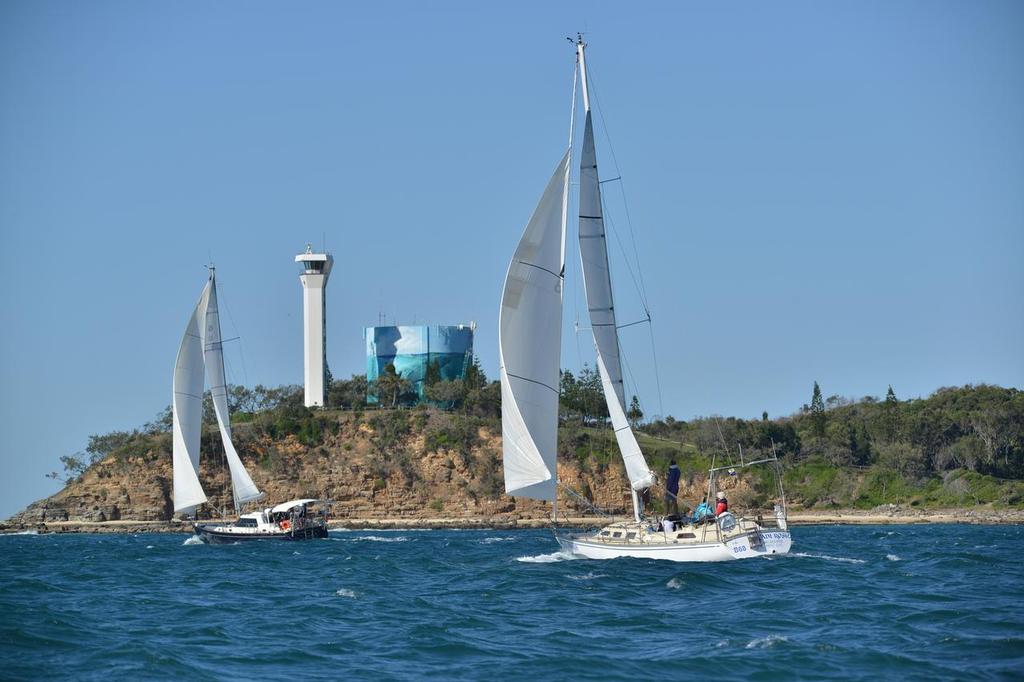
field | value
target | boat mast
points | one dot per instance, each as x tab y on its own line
581	57
565	220
582	61
212	281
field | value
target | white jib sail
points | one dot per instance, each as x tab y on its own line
187	414
598	284
640	475
529	345
242	487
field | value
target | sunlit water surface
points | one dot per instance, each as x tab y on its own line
870	602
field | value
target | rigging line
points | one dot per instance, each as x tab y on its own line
632	380
585	501
657	372
622	186
633	324
241	352
610	223
725	445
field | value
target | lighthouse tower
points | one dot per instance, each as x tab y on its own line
316	267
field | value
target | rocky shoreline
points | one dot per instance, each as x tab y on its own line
891	516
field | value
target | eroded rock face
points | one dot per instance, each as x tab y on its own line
406	480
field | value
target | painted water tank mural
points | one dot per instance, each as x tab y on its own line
448	350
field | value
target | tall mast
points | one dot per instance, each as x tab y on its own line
565	220
581	58
600	299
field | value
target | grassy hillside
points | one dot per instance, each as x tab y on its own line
959	447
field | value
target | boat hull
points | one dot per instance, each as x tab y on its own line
214	536
751	545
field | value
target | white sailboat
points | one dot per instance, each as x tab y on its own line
529	340
201	352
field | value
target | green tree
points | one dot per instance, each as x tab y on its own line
348	394
101	446
445	394
859	444
634	414
162	424
390	385
475	378
591	395
484	401
241	399
892	415
568	396
432	374
903	459
818	412
74	466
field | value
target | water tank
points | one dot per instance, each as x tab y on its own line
412	348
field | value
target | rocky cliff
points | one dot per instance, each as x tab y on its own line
399	465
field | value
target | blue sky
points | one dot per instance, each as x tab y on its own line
817	191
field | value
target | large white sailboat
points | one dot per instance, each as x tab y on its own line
529	340
201	353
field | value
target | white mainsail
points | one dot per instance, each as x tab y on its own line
242	487
529	345
594	257
598	284
187	413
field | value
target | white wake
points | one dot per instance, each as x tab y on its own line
547	558
826	557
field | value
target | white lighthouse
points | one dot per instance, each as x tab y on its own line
316	267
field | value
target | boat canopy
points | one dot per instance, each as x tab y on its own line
291	504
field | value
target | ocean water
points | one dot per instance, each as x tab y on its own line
871	602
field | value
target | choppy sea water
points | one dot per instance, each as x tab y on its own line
872	602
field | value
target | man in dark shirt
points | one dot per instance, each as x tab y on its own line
672	489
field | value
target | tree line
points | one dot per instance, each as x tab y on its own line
974	428
977	428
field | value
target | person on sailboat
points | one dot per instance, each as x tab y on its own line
703	511
722	505
644	497
672	489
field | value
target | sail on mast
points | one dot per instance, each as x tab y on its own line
594	258
639	473
187	413
600	303
242	486
529	345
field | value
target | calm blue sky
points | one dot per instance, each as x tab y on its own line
818	191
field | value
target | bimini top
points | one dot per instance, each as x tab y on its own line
291	504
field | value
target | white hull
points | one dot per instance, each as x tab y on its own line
745	546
